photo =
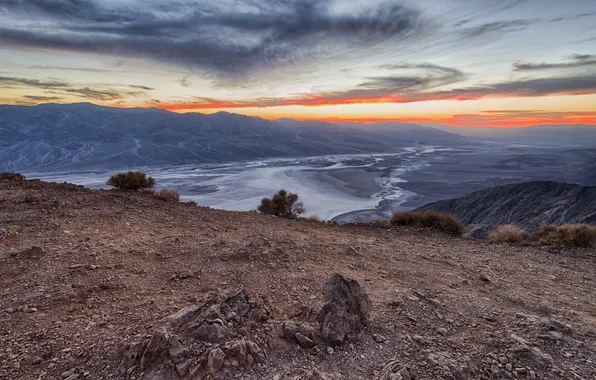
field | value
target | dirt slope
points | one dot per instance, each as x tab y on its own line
111	265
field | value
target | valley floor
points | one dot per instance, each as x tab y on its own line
112	264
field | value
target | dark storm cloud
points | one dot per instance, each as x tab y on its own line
577	85
11	82
407	90
412	89
185	82
42	98
581	57
576	61
142	87
88	10
205	35
437	75
63	88
498	27
394	85
573	17
95	94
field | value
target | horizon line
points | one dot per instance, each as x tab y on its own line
331	120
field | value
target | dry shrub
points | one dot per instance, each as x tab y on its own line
15	177
382	222
167	195
542	234
191	203
429	219
507	233
131	181
282	204
314	218
571	235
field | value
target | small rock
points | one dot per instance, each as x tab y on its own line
34	252
10	310
304	341
36	360
484	278
69	373
314	374
393	370
521	370
379	338
76	266
215	360
330	350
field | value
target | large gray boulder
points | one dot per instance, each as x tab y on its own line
346	310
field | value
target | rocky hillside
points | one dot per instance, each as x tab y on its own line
528	205
112	285
85	136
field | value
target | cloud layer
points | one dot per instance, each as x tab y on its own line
233	54
205	35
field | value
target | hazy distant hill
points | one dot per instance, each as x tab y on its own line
528	205
52	136
411	132
580	135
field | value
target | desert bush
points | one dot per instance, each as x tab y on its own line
545	233
167	195
429	219
314	218
131	181
571	235
282	204
507	233
382	222
15	177
190	202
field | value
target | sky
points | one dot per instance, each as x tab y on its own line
497	63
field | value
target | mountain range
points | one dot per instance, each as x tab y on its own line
528	205
84	136
549	135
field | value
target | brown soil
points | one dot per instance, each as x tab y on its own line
112	264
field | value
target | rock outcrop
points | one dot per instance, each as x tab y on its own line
346	311
205	340
527	205
393	370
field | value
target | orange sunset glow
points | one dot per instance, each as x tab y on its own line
398	61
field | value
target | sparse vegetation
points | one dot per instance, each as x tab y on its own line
429	219
190	203
314	218
507	233
382	222
282	204
571	235
167	195
12	177
131	181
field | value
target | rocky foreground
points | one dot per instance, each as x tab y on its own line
112	285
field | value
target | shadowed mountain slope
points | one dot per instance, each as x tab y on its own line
528	205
